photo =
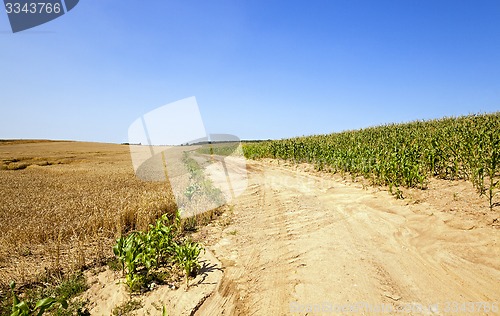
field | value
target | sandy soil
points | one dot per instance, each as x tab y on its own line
301	243
108	291
298	242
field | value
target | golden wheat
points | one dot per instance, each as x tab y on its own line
67	202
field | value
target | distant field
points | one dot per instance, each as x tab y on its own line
63	203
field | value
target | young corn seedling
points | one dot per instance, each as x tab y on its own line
186	256
159	240
119	251
21	308
140	253
133	257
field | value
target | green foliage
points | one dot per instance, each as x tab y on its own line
76	307
127	307
115	265
141	253
119	251
186	256
221	148
38	299
406	155
72	286
199	184
145	250
189	224
21	308
191	190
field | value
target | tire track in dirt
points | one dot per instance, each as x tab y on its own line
301	239
260	264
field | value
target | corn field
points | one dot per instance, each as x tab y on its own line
406	155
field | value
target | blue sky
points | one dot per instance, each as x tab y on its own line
258	69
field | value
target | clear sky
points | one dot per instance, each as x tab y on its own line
258	69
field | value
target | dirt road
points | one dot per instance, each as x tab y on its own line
309	245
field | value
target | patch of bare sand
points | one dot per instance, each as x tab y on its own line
108	291
300	240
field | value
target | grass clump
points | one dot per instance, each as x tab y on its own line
72	286
127	307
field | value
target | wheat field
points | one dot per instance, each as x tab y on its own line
62	204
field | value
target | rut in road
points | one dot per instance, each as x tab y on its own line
299	239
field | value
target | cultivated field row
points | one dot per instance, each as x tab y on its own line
405	155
